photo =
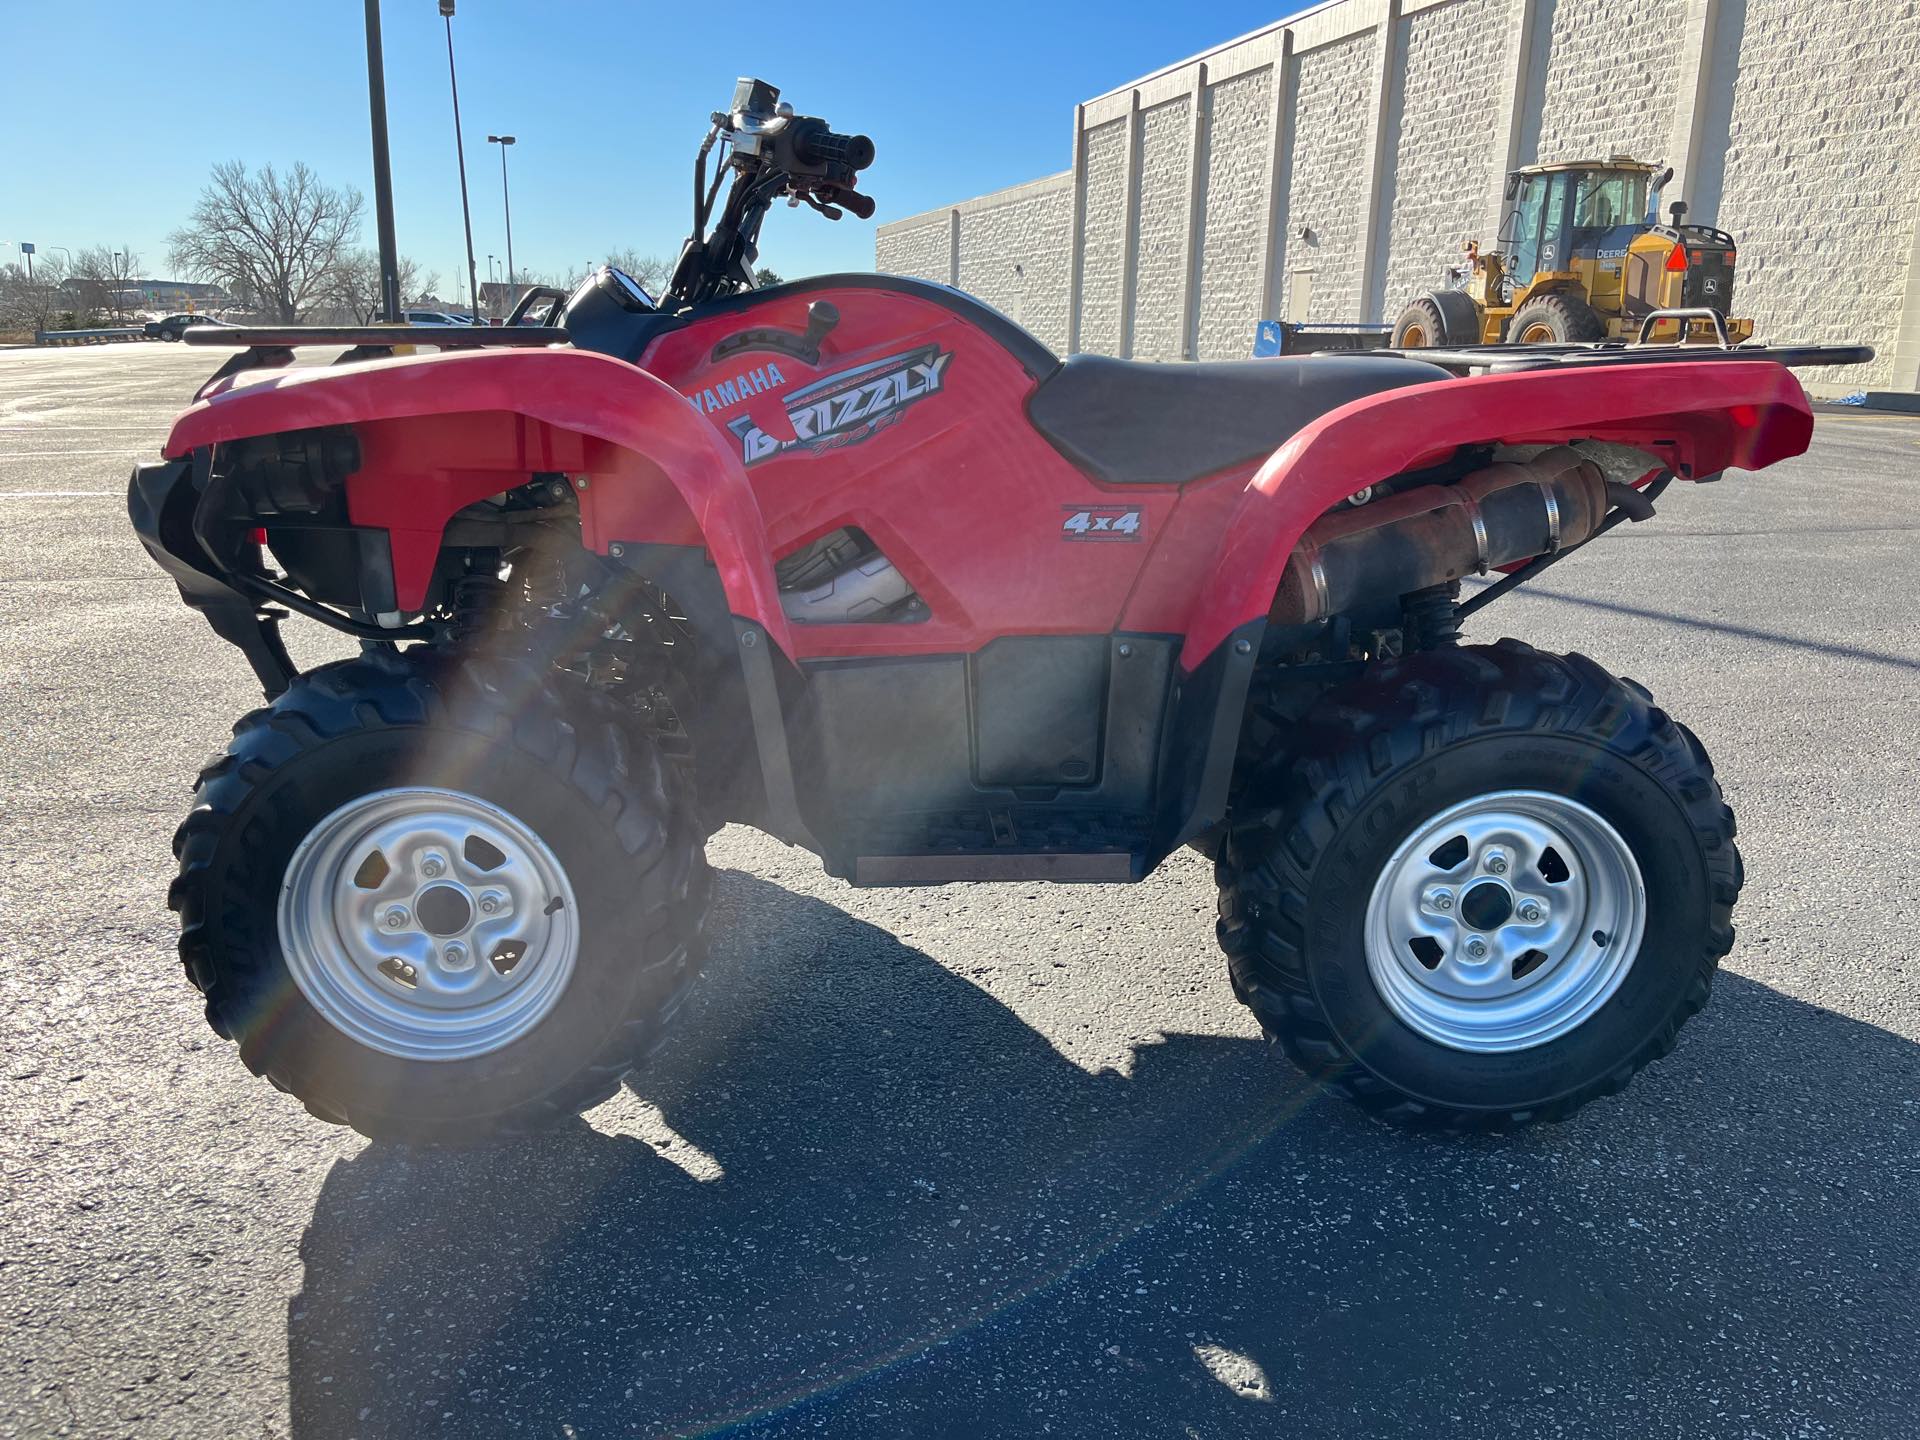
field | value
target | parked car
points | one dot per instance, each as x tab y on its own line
435	317
170	327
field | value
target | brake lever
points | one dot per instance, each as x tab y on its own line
832	212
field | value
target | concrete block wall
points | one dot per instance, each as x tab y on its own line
1236	142
1325	174
1329	166
1010	249
1825	210
921	247
1160	229
1447	153
1106	152
1608	73
1013	253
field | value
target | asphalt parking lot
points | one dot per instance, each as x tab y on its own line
975	1160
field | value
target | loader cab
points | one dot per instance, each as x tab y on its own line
1574	218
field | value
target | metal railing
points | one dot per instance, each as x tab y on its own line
103	336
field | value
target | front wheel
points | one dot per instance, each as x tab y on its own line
1556	318
439	900
1486	887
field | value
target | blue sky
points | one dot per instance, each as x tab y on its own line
115	110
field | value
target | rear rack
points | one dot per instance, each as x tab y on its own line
1501	359
1505	357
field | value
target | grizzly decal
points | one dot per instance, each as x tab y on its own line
848	407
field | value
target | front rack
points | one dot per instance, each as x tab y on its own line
372	337
266	347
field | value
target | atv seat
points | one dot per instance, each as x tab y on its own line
1135	422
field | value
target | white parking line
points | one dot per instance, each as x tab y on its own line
57	494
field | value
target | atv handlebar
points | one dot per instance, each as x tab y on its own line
815	144
770	152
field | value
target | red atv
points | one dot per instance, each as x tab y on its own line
858	561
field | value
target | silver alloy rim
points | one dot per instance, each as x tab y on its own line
1505	921
428	924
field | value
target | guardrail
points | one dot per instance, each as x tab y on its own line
90	337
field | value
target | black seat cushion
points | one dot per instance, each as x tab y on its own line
1139	423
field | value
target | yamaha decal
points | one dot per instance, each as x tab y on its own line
848	407
743	386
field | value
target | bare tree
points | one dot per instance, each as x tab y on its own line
355	284
650	270
32	303
274	240
107	277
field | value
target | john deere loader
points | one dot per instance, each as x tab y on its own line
1582	257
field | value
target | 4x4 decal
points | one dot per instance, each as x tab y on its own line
848	407
1103	523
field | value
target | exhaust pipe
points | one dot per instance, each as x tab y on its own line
1500	515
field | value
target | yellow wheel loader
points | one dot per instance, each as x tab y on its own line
1584	257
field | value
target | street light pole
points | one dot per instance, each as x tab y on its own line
460	149
506	202
382	170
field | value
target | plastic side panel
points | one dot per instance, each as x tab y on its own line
440	430
938	464
1706	417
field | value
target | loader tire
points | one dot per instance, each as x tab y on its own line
382	804
1426	774
1444	318
1556	318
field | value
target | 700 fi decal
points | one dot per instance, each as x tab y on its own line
848	407
1103	523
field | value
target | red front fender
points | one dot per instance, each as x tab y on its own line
1704	416
439	432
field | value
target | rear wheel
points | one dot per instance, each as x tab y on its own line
1556	318
1486	888
438	901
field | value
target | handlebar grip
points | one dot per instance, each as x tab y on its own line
861	205
830	147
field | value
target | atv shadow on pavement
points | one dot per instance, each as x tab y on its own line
919	1218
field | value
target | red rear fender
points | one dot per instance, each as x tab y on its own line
1703	416
438	432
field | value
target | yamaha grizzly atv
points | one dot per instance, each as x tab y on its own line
858	561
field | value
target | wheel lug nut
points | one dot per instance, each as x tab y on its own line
489	903
1477	948
1496	863
433	867
1441	901
1530	911
456	956
396	917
